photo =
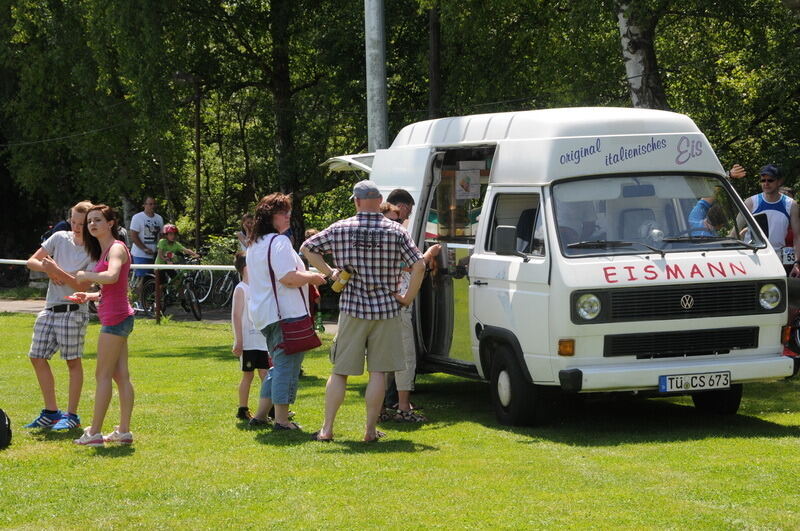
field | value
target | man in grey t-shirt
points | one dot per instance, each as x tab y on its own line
61	325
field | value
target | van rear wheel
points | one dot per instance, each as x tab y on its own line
720	402
516	401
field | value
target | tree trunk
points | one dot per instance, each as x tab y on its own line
637	34
434	65
282	93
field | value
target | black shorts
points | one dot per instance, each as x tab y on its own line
254	359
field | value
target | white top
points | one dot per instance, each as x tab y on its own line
778	216
148	227
253	338
70	257
285	259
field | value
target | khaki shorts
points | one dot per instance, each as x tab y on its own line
405	379
379	341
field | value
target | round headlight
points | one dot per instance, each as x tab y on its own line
588	306
769	296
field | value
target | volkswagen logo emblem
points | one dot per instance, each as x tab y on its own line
687	302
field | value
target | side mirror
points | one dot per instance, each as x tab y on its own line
505	241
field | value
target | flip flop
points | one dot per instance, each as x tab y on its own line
315	437
378	435
290	426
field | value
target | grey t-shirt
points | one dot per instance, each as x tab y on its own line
70	257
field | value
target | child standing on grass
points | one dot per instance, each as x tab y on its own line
249	345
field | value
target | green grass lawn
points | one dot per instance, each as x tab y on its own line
623	463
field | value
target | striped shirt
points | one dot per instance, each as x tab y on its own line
378	248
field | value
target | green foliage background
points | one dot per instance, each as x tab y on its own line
97	98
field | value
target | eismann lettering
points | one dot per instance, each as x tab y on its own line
707	270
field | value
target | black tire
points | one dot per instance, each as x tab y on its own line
190	299
148	298
203	282
719	402
516	401
223	291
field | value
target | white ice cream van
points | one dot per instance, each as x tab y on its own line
585	250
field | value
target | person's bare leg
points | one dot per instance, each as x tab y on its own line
282	414
404	399
75	368
244	388
264	405
47	382
125	389
109	349
376	387
334	396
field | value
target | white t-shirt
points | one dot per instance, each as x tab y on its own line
263	310
70	257
253	338
148	228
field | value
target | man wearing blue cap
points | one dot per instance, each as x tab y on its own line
781	211
370	325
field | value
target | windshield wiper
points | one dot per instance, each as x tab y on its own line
706	239
604	244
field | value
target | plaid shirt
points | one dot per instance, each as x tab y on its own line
378	248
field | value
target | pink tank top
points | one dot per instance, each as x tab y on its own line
114	306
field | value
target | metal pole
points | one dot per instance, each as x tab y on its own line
196	163
375	38
157	296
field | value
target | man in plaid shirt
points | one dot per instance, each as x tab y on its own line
369	307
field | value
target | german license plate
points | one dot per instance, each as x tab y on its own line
788	255
674	383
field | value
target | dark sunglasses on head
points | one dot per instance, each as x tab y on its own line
767	180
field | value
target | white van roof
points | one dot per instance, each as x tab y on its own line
542	124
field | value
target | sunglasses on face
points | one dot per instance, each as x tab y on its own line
767	180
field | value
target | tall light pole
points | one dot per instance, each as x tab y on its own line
375	40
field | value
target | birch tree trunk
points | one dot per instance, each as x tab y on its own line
637	35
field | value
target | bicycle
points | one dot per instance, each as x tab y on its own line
203	280
223	289
179	288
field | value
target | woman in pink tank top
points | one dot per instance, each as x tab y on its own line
101	238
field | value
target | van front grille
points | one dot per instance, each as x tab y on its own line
679	344
708	300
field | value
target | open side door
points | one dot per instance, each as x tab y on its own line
361	161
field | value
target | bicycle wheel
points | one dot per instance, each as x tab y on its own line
203	282
148	299
223	290
190	299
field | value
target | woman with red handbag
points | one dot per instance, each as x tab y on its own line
278	294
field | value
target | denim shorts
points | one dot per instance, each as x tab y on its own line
122	329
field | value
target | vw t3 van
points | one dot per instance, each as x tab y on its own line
585	250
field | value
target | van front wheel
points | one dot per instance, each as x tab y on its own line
515	400
721	402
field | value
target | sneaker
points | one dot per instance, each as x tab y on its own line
243	413
45	420
117	437
90	440
67	422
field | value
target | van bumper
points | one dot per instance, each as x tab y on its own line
643	375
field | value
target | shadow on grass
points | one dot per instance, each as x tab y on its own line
387	445
221	353
117	450
614	420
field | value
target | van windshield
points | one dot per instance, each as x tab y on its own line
653	213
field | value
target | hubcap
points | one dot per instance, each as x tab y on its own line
504	388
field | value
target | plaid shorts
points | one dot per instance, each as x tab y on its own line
59	331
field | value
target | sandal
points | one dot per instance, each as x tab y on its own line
315	437
409	416
387	414
378	435
290	426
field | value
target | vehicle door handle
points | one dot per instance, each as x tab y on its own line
480	283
